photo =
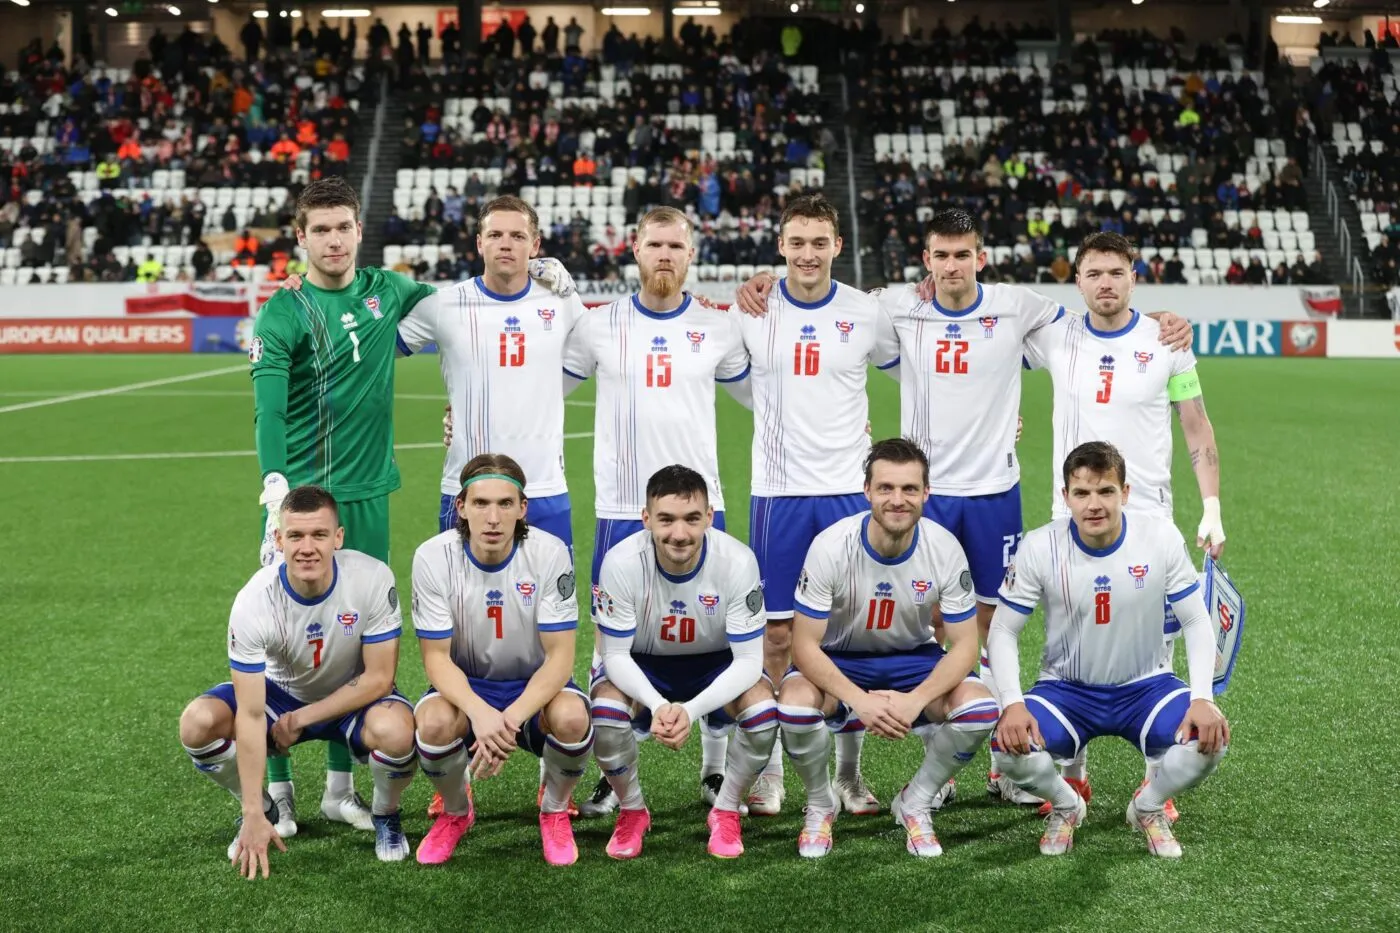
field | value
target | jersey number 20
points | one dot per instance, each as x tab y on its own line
677	628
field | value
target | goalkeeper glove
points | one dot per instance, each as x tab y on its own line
552	275
275	489
1211	531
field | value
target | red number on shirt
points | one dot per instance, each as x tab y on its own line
950	357
806	359
512	349
316	644
1106	390
881	614
1103	609
677	628
496	614
658	370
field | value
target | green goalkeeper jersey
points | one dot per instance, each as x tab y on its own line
323	382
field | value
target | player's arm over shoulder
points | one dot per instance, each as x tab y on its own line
1036	310
407	292
1024	583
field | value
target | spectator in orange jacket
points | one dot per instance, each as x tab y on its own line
284	150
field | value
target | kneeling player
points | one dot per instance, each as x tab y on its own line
495	613
679	608
1103	672
863	647
313	644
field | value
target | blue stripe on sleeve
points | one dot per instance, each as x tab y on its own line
403	347
573	375
809	612
742	375
558	626
746	636
616	632
890	365
245	668
1174	597
960	616
1023	610
382	636
433	634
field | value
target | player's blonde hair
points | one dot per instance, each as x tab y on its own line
662	216
501	465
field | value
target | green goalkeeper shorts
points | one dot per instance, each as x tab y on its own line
366	524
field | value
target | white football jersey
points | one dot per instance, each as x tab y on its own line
719	602
656	394
500	357
1103	607
810	362
960	382
311	648
875	603
1113	387
494	614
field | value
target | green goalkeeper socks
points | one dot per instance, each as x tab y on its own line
279	769
337	757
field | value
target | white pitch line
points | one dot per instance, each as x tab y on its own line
207	454
226	393
119	390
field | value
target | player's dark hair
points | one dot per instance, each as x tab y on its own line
952	222
810	207
677	480
510	203
1098	457
1106	241
492	463
331	191
895	450
309	498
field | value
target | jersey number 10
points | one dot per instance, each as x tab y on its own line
881	615
677	628
512	349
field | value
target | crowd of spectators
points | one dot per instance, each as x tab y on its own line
726	129
164	170
1170	145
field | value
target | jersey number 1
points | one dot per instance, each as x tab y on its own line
355	340
512	349
881	615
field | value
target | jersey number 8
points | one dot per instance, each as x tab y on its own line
1103	608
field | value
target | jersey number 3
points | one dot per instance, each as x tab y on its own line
1106	388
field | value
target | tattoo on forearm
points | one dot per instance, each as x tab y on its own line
1212	458
1195	457
355	681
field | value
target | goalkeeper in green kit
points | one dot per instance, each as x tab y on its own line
323	389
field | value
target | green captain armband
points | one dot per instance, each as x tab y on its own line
1184	386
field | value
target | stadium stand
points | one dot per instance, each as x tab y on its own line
186	171
1181	152
585	141
1359	103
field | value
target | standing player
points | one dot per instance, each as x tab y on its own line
960	348
863	646
1113	382
496	615
323	390
657	355
313	644
810	352
500	340
679	609
1103	577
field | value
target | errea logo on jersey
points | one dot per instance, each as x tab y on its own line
1105	364
844	328
1142	360
678	607
709	602
313	631
1139	574
921	589
989	324
513	325
1103	584
809	332
526	589
347	320
658	344
954	331
494	598
547	315
883	591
